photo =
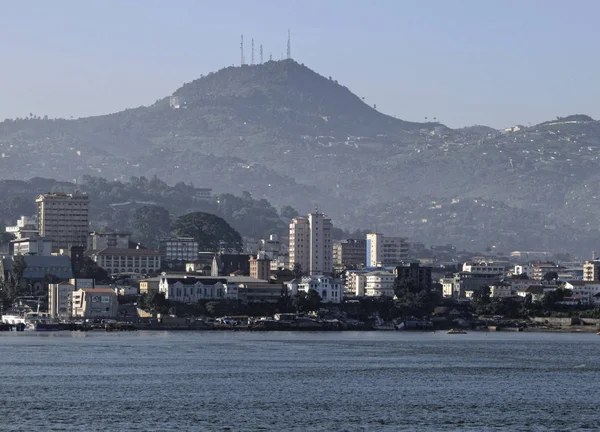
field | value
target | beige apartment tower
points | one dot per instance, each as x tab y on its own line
311	244
63	218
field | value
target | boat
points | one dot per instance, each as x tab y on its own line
456	331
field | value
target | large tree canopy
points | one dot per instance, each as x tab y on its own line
150	223
211	232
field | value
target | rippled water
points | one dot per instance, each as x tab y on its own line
371	381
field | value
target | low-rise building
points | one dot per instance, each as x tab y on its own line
26	227
116	260
94	303
331	290
539	270
379	284
501	290
39	246
484	267
190	289
470	282
150	285
587	291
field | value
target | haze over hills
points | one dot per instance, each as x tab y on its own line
285	133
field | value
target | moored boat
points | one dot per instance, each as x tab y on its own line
456	331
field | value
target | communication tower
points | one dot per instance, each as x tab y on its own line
252	56
289	45
242	59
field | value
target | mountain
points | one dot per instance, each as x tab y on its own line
287	134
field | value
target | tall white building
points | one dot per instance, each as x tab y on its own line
311	245
386	251
63	218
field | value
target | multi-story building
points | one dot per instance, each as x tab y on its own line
349	253
59	299
591	271
39	246
469	282
587	291
26	227
331	290
311	244
379	283
94	303
260	267
99	241
115	260
178	249
415	273
271	246
385	251
63	218
484	267
539	270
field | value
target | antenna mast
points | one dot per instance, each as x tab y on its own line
252	57
261	54
242	59
289	45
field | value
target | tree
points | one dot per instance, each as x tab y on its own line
480	300
306	302
91	270
18	268
5	237
211	232
288	212
551	276
150	223
297	270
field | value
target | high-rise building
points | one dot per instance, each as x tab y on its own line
311	244
385	251
178	249
63	218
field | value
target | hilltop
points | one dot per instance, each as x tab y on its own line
285	133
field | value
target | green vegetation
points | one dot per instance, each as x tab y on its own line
211	232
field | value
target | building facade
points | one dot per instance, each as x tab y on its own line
94	303
26	227
418	275
260	267
379	284
39	246
591	271
99	241
59	299
311	245
331	290
178	249
484	267
63	218
349	253
115	260
385	251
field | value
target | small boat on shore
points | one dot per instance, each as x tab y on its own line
456	331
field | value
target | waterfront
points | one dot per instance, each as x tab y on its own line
348	381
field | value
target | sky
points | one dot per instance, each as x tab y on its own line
465	62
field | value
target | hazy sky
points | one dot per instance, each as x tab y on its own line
463	61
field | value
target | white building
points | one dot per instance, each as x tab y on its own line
311	245
586	290
484	267
63	218
379	283
523	269
331	290
191	290
115	260
59	299
39	246
386	251
26	227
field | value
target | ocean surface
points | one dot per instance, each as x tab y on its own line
273	381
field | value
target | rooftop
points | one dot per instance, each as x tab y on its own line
122	251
